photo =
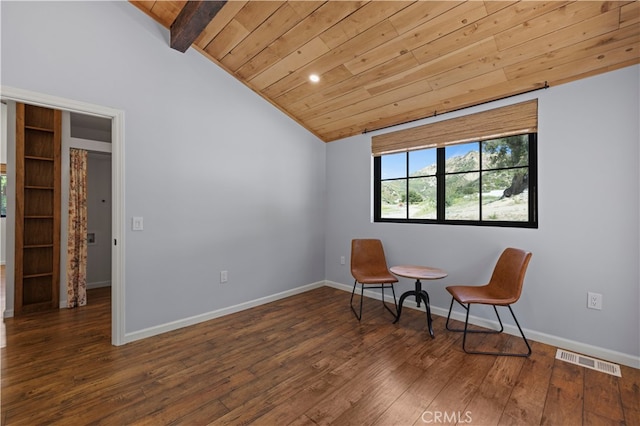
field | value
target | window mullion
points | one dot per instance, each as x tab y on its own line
440	189
407	185
480	181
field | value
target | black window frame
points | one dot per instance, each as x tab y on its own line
440	176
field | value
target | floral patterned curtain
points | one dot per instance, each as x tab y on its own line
77	232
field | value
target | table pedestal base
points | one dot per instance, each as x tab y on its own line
420	294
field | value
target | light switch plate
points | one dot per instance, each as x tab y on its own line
137	223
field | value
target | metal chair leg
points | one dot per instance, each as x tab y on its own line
466	330
359	315
395	302
361	296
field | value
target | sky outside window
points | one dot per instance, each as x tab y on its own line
460	150
394	166
418	160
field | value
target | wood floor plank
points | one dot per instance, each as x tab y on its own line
526	402
602	397
630	394
379	396
355	377
565	396
464	382
302	421
303	360
412	404
487	405
292	410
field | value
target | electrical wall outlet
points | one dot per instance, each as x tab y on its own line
224	276
342	260
594	301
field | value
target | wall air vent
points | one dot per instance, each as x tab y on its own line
588	362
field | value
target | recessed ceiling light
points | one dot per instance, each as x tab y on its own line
314	78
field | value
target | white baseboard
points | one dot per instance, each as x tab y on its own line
153	331
559	342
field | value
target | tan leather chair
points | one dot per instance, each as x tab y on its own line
503	289
369	268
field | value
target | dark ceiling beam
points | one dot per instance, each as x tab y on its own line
191	21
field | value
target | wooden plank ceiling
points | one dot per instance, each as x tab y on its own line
387	62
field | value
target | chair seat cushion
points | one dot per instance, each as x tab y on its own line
479	294
381	278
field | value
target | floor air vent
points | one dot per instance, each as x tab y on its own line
588	362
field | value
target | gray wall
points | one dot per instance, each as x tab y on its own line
223	180
588	232
99	219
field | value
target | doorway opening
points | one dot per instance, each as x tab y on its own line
92	135
115	118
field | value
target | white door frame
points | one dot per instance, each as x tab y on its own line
117	185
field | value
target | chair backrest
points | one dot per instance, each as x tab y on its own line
508	275
367	258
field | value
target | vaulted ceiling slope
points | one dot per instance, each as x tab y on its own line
383	63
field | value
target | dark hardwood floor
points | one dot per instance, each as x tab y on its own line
304	360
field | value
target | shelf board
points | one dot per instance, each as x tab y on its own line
42	274
40	129
34	157
32	246
38	187
39	217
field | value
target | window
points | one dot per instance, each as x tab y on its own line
479	169
491	182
